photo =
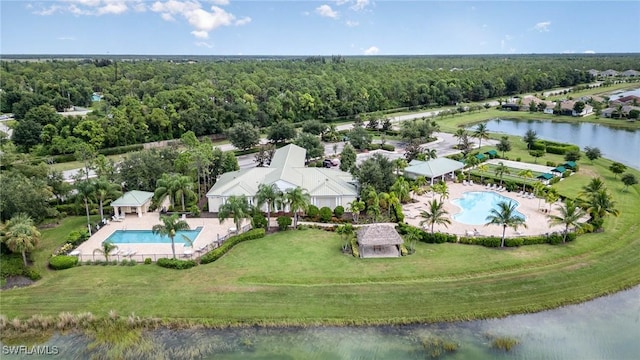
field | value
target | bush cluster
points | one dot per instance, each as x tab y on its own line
312	211
325	214
338	211
488	241
354	247
176	263
61	262
283	222
388	147
428	237
215	254
76	238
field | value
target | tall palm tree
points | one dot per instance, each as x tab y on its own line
505	216
165	187
538	191
355	207
570	215
237	207
393	202
106	248
401	188
21	235
86	191
530	138
500	170
442	190
430	154
346	231
105	191
298	199
373	203
169	227
436	214
599	205
482	168
183	188
470	162
527	174
268	194
460	133
481	132
596	184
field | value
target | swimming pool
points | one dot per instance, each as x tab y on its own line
476	206
148	237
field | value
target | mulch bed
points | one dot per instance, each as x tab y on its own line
17	281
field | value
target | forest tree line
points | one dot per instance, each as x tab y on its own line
145	101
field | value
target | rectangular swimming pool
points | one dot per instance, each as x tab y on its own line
148	237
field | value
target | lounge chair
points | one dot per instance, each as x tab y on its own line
487	186
471	182
464	182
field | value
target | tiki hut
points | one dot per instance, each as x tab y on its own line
379	240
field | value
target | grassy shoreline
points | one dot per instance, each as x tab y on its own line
299	278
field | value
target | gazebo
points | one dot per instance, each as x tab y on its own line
379	240
134	201
432	169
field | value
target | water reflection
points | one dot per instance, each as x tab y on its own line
605	328
621	145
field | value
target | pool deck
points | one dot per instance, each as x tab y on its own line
211	231
537	221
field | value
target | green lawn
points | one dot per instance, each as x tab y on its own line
301	277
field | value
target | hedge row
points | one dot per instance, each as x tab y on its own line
215	254
428	237
176	263
61	262
493	241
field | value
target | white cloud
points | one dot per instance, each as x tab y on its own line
66	38
115	7
200	34
92	7
569	52
326	11
351	23
589	52
203	44
373	50
245	20
360	5
221	2
542	26
201	20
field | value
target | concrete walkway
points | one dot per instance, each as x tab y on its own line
521	165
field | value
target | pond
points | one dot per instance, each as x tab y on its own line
616	144
604	328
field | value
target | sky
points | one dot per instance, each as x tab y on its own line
309	27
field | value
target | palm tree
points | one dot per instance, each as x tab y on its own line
169	227
500	170
237	207
86	190
355	207
105	191
505	216
470	162
599	205
551	197
165	187
373	203
530	138
401	188
570	215
268	194
436	214
21	235
527	174
393	201
460	133
442	190
430	154
482	168
183	187
106	248
538	191
298	199
346	231
481	133
596	184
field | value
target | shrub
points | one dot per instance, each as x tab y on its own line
554	180
76	238
283	222
338	211
373	146
325	214
566	174
388	147
354	247
61	262
513	242
194	210
554	239
313	212
551	163
121	149
176	263
217	253
538	145
259	221
32	274
534	240
11	265
147	261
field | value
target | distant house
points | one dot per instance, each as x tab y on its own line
593	72
626	100
510	107
570	165
327	187
549	109
559	170
544	178
379	240
492	154
568	105
608	112
630	73
609	73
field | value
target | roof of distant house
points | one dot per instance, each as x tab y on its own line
379	234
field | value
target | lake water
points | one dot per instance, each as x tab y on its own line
616	144
604	328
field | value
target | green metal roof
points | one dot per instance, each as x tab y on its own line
481	156
570	164
545	176
559	169
434	168
133	198
491	152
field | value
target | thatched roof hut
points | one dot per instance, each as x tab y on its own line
379	240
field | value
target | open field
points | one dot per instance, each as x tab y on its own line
300	277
